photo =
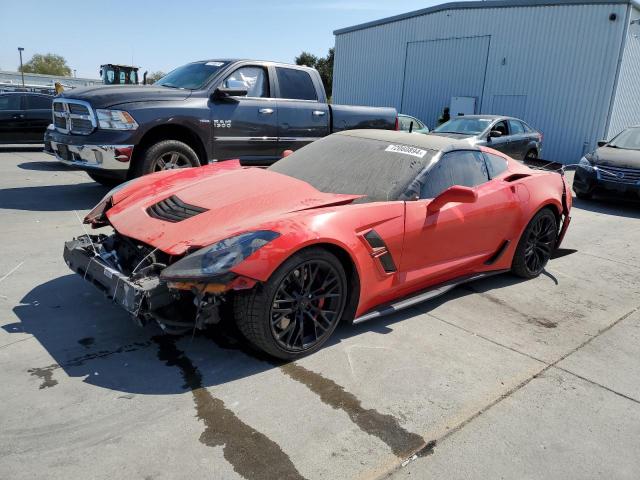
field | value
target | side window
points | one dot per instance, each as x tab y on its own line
501	127
9	102
123	77
495	164
295	84
464	167
404	122
527	128
516	127
36	102
254	79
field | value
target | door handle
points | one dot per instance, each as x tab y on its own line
266	111
318	113
18	115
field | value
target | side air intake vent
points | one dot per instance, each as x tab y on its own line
174	210
380	251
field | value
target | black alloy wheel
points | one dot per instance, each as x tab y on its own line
536	245
171	161
306	306
297	309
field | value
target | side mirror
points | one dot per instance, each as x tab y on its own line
495	134
224	93
602	143
456	193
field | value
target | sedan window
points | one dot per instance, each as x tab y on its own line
469	126
9	102
501	127
515	127
465	168
495	164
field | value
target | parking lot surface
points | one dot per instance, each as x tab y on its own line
499	378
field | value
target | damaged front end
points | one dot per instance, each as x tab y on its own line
179	293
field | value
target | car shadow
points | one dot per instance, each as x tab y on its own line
51	198
17	148
91	338
51	166
610	205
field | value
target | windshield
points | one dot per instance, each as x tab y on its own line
629	139
192	76
465	126
346	164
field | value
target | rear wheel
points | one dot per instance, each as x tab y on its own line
536	245
166	155
105	180
294	312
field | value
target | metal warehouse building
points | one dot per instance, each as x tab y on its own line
569	68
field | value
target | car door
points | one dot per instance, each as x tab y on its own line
12	119
460	237
246	127
38	116
501	143
303	114
519	140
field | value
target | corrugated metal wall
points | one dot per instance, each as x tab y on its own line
626	105
562	58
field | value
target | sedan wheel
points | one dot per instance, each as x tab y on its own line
536	245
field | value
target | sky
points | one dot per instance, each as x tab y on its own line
161	35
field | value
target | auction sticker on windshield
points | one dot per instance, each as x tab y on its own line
413	151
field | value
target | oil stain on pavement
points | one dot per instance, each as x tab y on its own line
46	375
386	427
251	454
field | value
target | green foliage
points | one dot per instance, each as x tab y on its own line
324	65
154	77
48	64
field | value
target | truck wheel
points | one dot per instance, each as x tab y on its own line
166	155
536	245
104	179
294	312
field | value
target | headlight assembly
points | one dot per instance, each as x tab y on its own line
219	258
585	163
116	120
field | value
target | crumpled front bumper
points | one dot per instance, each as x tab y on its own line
136	296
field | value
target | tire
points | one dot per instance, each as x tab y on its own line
165	155
303	330
584	195
536	245
531	155
105	180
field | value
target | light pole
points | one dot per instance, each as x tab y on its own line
20	49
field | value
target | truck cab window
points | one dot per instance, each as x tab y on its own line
254	79
36	102
465	168
295	84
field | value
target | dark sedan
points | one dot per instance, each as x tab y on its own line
24	117
507	134
614	166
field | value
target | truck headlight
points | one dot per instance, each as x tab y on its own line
219	258
116	120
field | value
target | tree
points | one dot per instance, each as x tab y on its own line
154	77
48	64
324	65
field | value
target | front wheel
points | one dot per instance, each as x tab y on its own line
166	155
294	312
531	155
536	245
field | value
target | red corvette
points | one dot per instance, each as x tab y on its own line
351	227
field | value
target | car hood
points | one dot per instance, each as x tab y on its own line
104	96
234	200
616	157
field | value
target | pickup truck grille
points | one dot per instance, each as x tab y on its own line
174	210
629	176
73	116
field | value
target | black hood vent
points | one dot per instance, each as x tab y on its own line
174	210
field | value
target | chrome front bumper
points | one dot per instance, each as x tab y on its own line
95	157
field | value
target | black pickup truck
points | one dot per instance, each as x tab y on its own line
201	112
